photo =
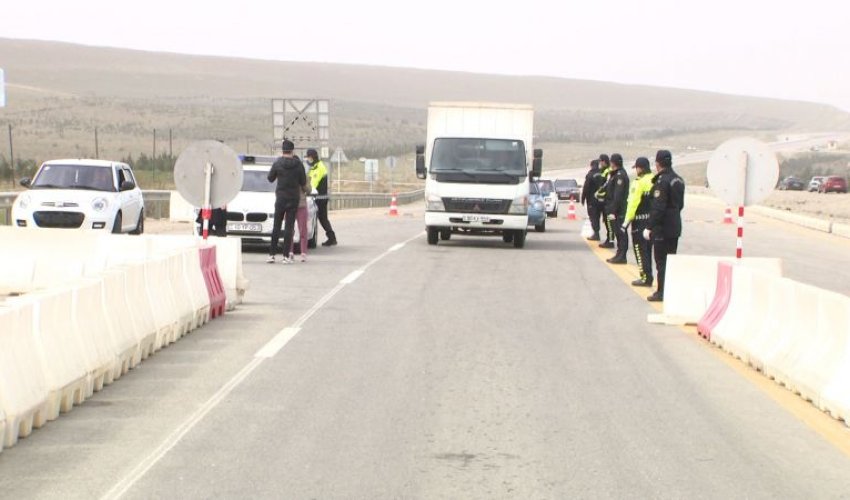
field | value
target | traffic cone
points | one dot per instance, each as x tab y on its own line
571	210
394	206
727	216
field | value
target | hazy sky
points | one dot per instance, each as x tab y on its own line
786	49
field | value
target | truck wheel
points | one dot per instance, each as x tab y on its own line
446	234
433	235
541	228
519	239
508	236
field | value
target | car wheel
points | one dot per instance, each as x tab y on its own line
116	226
519	238
140	226
433	235
508	236
541	228
446	234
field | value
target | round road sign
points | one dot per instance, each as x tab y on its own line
742	171
190	175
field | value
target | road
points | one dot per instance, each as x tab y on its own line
387	368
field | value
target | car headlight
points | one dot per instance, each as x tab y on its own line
538	205
519	205
434	204
99	204
24	201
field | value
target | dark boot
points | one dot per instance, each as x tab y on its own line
595	237
331	240
647	284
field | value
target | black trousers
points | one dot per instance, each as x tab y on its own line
594	212
662	248
285	211
610	232
621	235
322	215
643	253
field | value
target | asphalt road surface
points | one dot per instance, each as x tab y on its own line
387	368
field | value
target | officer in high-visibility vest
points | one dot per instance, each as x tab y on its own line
600	195
637	215
319	181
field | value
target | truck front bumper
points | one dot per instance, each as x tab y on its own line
476	222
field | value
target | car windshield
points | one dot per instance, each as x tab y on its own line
478	155
88	177
545	187
256	181
566	183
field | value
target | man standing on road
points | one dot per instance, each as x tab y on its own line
592	182
616	197
637	214
665	216
288	171
319	181
600	195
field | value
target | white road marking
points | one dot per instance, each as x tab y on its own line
397	247
268	351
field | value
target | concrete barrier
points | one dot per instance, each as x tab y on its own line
842	230
229	259
722	296
163	304
822	225
182	291
141	310
691	283
746	334
16	273
212	279
728	327
117	311
834	397
92	330
23	390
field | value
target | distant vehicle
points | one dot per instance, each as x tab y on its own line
250	215
814	184
88	195
536	209
833	184
567	189
550	197
791	183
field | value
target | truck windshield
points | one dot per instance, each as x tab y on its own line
478	156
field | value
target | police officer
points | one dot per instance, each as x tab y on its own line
616	196
592	182
637	215
665	216
600	195
319	181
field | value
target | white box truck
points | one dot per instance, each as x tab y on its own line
477	164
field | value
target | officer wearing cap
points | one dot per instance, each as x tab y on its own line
637	215
600	194
319	181
616	196
592	182
665	216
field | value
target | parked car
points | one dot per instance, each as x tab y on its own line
250	215
814	184
81	194
833	184
791	183
536	209
567	189
550	197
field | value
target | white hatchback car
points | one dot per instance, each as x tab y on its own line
81	194
250	215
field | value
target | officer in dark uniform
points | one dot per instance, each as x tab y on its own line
600	195
592	182
616	199
665	216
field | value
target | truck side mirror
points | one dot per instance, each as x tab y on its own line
537	163
421	173
25	182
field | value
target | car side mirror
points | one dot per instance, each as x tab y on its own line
537	163
127	185
26	181
421	172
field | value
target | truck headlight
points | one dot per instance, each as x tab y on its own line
519	205
434	204
99	204
24	201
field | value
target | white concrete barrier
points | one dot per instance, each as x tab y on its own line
23	390
182	291
117	312
772	336
822	225
690	285
730	332
229	260
842	230
92	330
141	310
180	210
16	273
163	304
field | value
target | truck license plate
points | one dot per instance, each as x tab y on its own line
243	226
476	218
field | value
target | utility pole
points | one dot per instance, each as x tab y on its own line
153	157
96	148
11	155
170	144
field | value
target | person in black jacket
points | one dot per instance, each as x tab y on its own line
291	178
592	182
600	195
665	217
616	202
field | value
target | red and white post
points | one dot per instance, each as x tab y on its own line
206	210
740	243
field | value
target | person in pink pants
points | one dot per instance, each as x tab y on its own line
301	220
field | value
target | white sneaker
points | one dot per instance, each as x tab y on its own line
287	260
270	260
303	257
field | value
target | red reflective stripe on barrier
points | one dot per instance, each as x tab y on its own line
215	288
722	296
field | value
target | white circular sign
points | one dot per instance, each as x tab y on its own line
226	178
742	171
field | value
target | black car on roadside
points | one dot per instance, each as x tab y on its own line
791	183
567	189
